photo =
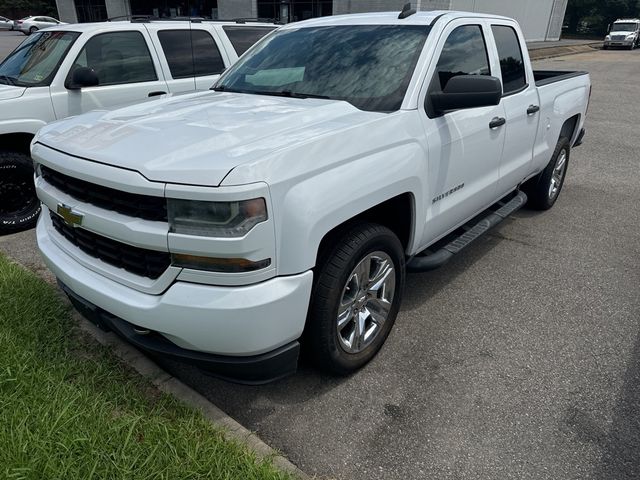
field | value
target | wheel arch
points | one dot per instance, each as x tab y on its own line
570	128
398	214
16	142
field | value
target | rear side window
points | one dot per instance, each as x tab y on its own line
464	53
243	38
514	77
117	58
188	60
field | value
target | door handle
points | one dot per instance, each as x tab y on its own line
155	94
497	122
533	109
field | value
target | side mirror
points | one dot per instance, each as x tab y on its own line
467	91
83	77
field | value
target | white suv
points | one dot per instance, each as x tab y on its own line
72	69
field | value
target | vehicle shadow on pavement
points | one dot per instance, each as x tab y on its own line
621	457
421	287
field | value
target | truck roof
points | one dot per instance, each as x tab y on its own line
389	18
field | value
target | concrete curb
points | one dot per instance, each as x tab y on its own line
550	52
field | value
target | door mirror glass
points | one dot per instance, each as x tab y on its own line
467	91
83	77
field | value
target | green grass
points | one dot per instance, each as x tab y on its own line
70	410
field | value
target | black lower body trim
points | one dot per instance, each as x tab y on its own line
580	137
251	370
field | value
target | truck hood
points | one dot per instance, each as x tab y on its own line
198	139
7	92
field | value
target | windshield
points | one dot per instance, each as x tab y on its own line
624	27
35	62
369	66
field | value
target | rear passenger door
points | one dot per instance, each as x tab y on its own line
126	70
521	103
191	59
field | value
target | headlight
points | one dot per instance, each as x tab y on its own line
630	36
215	219
608	37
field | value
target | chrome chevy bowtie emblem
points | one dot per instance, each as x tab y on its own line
69	216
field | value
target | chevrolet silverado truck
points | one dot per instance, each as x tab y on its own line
67	70
282	209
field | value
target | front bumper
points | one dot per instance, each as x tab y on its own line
618	43
252	370
200	322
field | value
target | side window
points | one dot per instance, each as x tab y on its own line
243	38
117	58
514	77
464	53
187	60
207	58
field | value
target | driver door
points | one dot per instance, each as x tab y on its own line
464	149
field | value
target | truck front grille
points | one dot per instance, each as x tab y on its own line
139	261
131	204
618	38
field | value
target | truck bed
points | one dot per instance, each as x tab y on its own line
546	77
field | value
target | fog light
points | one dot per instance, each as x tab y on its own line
225	265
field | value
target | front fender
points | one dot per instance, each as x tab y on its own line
23	125
316	205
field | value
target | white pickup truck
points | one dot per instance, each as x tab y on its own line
227	228
71	69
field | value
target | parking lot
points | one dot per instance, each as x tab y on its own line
519	359
8	41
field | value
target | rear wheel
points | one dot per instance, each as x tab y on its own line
19	206
356	298
544	189
33	30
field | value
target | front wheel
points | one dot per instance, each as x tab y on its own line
356	298
19	205
544	189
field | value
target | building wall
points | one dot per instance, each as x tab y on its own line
228	9
540	19
357	6
66	11
117	8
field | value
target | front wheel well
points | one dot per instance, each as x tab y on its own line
16	142
397	214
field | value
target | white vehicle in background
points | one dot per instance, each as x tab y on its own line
623	33
72	69
228	228
29	25
6	24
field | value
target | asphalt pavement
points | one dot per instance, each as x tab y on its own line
8	41
519	359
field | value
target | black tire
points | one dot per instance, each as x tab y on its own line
539	188
19	206
605	47
335	268
33	30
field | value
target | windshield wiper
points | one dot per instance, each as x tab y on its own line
272	93
8	80
289	93
222	88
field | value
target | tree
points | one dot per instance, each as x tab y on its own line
599	13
